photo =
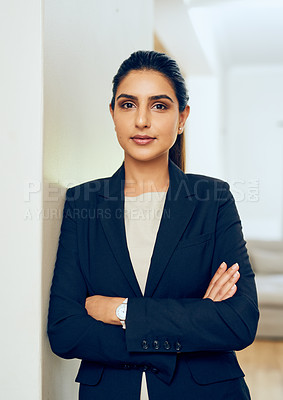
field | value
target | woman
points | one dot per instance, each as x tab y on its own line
154	251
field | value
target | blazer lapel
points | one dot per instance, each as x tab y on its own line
178	210
111	215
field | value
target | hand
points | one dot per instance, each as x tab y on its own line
223	284
103	308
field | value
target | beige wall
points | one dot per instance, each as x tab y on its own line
84	44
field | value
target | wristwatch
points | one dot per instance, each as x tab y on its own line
121	312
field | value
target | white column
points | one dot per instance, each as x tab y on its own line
20	201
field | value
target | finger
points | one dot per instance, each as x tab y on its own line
222	285
220	271
230	293
217	287
227	287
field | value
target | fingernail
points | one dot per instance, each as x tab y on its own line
233	287
222	265
235	266
236	274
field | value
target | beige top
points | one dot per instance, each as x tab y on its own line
142	218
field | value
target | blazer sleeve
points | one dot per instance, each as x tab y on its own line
196	324
72	332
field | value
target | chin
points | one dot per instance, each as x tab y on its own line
147	157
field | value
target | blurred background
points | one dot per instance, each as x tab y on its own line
58	59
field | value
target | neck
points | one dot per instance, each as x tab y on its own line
146	176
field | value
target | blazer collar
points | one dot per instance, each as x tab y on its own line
178	210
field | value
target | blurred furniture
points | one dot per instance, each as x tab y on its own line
267	261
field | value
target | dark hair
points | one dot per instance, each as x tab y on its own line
152	60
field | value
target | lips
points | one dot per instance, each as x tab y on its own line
142	139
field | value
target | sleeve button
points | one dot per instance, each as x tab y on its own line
178	346
145	345
156	345
166	345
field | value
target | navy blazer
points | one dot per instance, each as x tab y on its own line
184	343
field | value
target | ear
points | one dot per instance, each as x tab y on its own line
111	111
183	118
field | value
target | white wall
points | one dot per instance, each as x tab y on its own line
84	42
203	134
21	173
235	132
254	143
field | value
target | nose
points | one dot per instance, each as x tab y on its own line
143	118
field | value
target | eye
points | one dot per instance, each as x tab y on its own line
160	106
127	105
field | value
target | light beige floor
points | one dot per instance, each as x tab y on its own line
262	363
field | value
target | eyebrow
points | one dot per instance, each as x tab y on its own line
156	97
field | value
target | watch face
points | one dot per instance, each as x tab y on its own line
121	311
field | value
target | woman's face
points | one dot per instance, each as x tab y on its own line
146	115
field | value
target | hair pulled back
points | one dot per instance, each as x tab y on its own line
160	62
